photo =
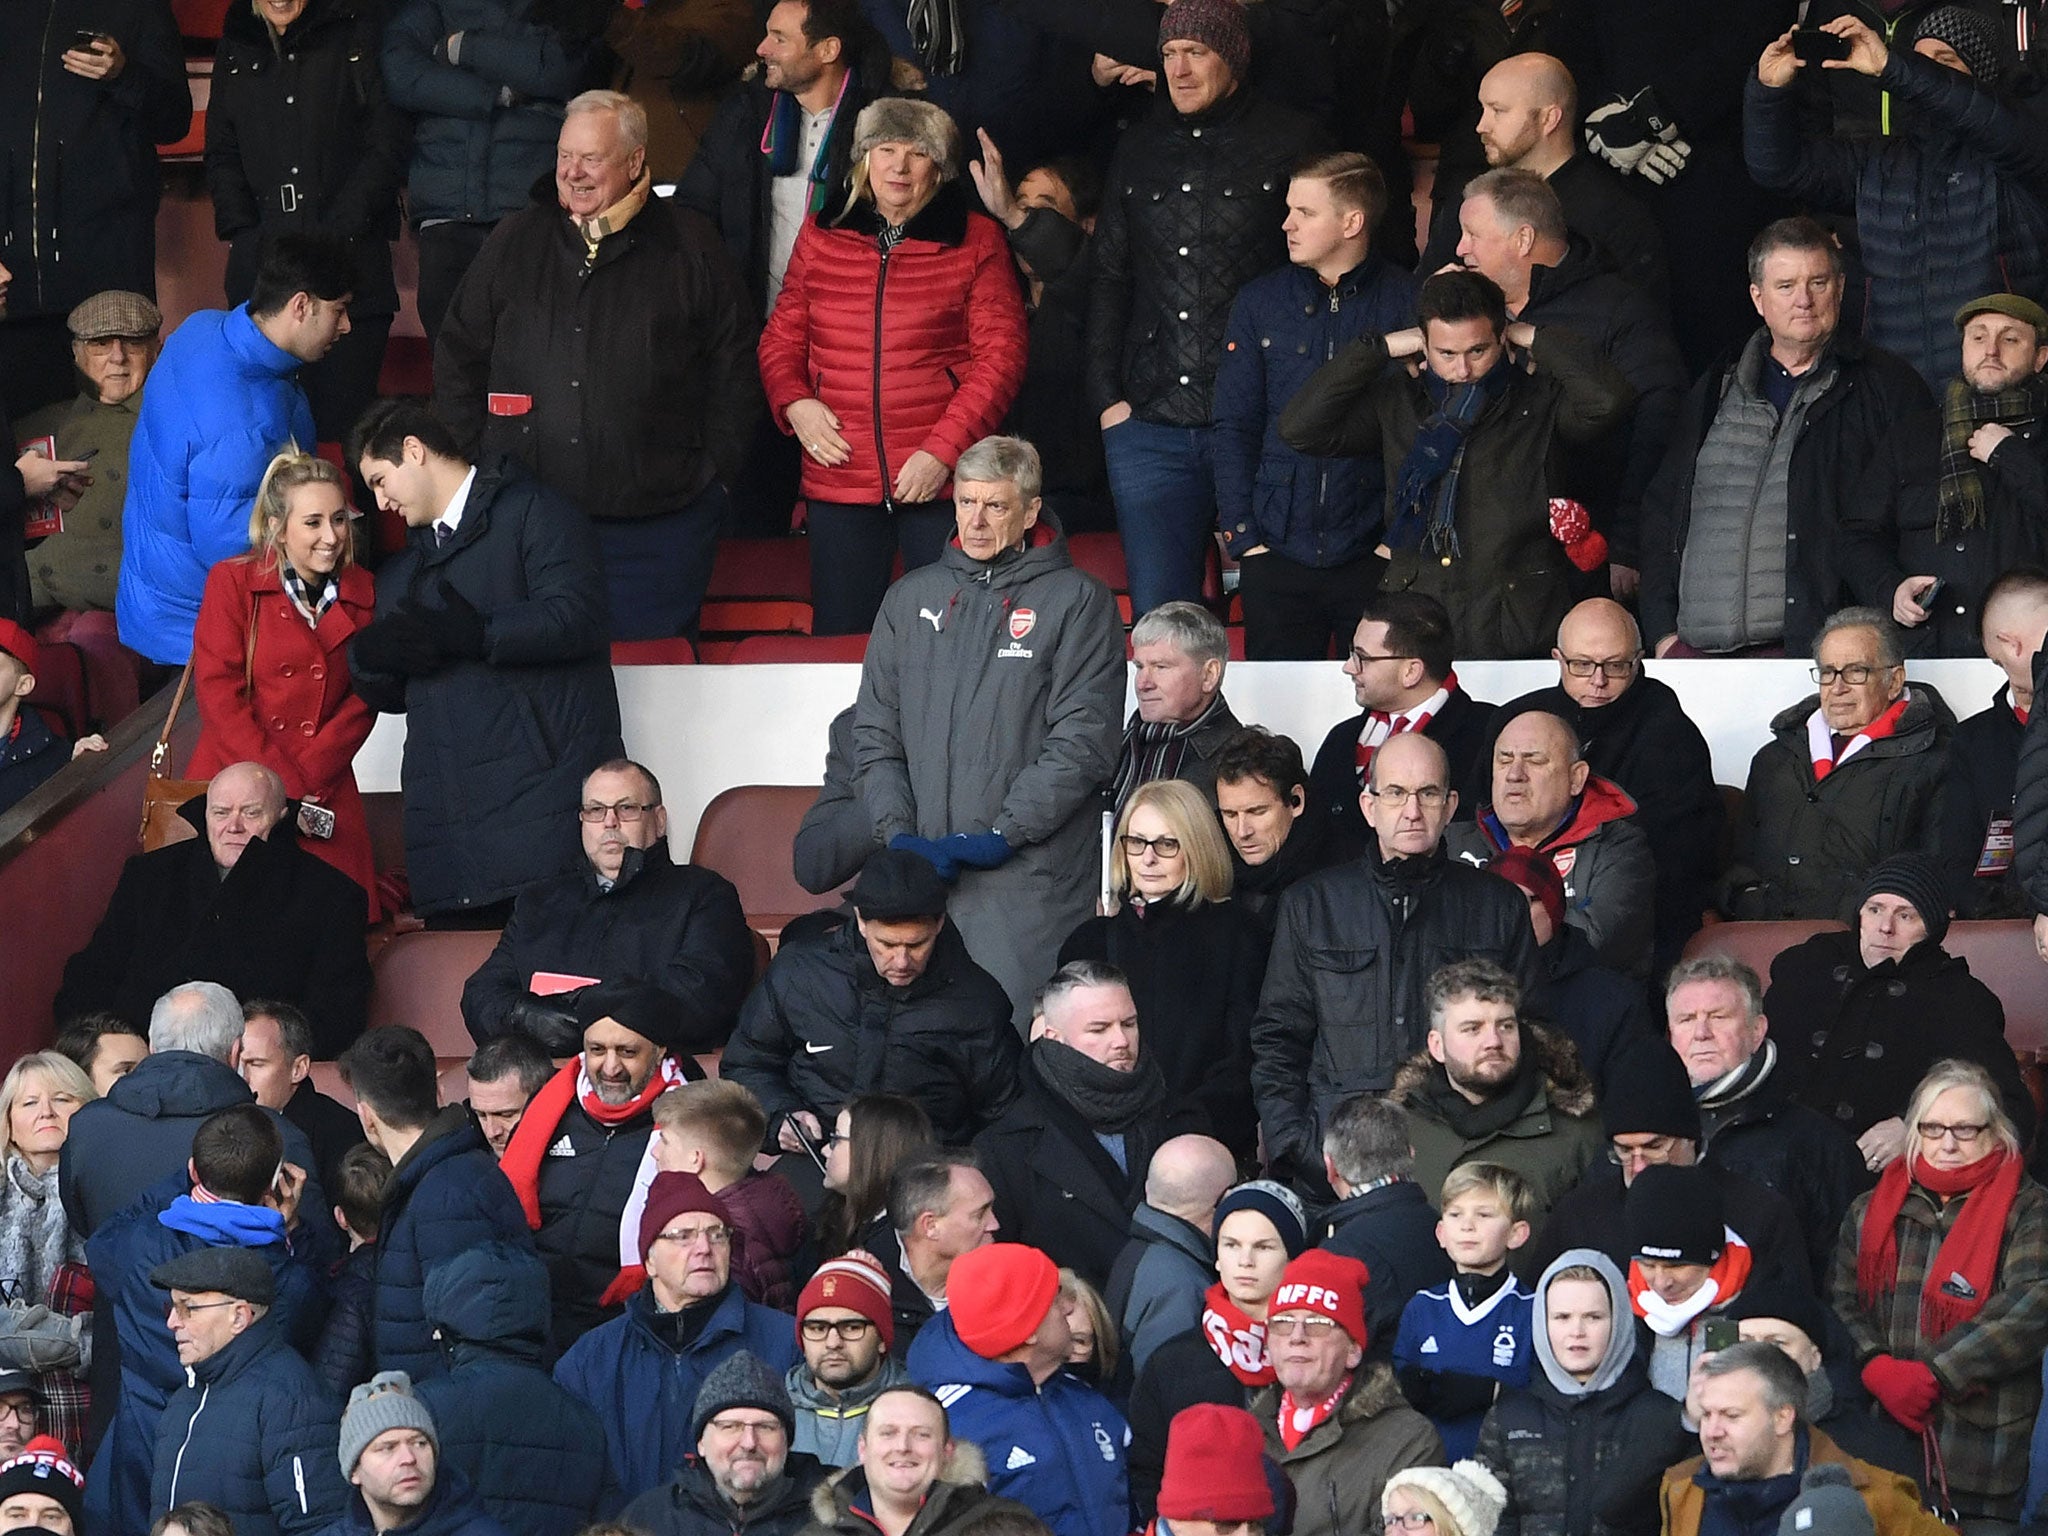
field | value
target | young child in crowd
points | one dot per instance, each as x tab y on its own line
1459	1344
344	1356
29	750
1685	1266
713	1129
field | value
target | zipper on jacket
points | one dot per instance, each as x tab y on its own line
881	450
35	161
178	1463
299	1482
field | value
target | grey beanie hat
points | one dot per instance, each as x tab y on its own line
742	1381
1828	1505
905	120
383	1402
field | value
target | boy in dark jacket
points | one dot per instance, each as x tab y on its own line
346	1353
30	751
713	1129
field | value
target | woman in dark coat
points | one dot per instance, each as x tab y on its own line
299	137
1195	958
270	656
1860	1017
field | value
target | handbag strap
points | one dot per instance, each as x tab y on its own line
249	650
1934	1466
159	757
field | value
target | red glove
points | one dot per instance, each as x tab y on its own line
1570	524
1906	1388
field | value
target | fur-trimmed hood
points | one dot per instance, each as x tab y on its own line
832	1500
1565	1083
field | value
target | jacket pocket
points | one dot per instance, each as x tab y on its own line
1359	1051
1273	503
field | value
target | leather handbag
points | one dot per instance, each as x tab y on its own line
162	795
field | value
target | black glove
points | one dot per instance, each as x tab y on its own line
456	626
400	643
550	1021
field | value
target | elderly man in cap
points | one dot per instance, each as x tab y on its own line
744	1476
1335	1422
890	1003
997	1356
847	1330
582	1156
642	1370
41	1490
114	341
391	1452
629	910
1959	493
252	1430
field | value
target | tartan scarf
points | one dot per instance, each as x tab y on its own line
937	35
1965	1268
1960	505
1426	497
313	604
1155	749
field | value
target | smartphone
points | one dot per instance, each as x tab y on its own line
1926	600
86	40
1717	1333
316	821
86	454
1810	45
812	1149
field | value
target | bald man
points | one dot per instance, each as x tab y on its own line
1529	119
1156	1287
240	903
1984	755
1633	731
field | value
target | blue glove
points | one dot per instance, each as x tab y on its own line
978	850
938	853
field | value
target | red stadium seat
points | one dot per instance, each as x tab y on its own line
1235	633
2002	956
61	690
408	367
759	586
1756	945
1101	555
800	648
678	652
745	835
417	979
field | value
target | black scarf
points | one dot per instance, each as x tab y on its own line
1476	1122
1110	1101
1960	505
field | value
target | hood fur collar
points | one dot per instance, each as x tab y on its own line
832	1499
1565	1083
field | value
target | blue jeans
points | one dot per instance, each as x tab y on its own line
1165	490
656	569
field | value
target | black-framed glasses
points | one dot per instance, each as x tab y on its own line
1614	668
1134	847
1965	1135
1360	658
628	812
1856	674
1408	1520
851	1329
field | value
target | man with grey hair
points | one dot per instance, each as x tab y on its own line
1854	774
142	1130
241	904
1740	525
1157	1283
987	719
1382	1217
1180	652
607	345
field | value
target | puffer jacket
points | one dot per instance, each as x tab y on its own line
1955	207
770	1220
252	1432
446	1197
1191	213
483	824
1603	856
1802	848
644	1388
918	348
1340	1466
959	1498
226	399
452	1509
1318	512
475	158
829	1428
534	1450
1342	1006
991	701
300	139
823	1027
586	1180
1066	1443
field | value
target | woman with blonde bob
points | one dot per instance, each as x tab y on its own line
1941	1275
1194	957
270	655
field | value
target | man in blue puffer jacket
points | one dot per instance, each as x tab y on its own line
1304	527
535	1451
226	1199
997	1359
227	400
391	1449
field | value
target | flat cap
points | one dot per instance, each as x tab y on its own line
2022	309
116	312
896	883
239	1272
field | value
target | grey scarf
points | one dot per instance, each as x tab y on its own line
1110	1101
35	1236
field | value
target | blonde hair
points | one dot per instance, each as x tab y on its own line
1440	1517
1074	1290
724	1116
1514	1192
1951	1073
1192	821
290	469
60	1069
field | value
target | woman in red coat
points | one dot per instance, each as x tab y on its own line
896	344
270	655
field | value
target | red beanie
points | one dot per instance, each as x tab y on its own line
672	1195
1534	873
857	1282
998	1294
21	645
1327	1283
1215	1467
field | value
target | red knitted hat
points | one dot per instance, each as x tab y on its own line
672	1195
1215	1467
856	1281
1326	1283
21	645
1534	873
998	1294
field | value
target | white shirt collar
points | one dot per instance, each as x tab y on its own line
451	516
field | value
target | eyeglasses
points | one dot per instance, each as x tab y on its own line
1360	658
835	1139
1413	1520
1965	1135
1430	796
1301	1328
739	1427
1650	1152
628	812
1165	847
1856	674
183	1310
689	1237
851	1329
19	1413
1618	667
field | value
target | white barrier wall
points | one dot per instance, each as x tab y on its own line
703	729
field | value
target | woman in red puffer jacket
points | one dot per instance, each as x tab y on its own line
897	342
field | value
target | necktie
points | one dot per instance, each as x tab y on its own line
442	534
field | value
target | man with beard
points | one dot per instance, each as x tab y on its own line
1262	794
744	1476
847	1331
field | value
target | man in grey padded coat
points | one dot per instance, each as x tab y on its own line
990	717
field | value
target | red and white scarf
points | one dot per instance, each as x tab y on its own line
1298	1420
536	1133
1381	727
1238	1338
1820	741
1724	1282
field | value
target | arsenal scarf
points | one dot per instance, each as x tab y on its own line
1820	741
1381	727
1965	1267
1723	1284
1239	1340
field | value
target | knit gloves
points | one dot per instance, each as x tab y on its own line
1906	1388
962	850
